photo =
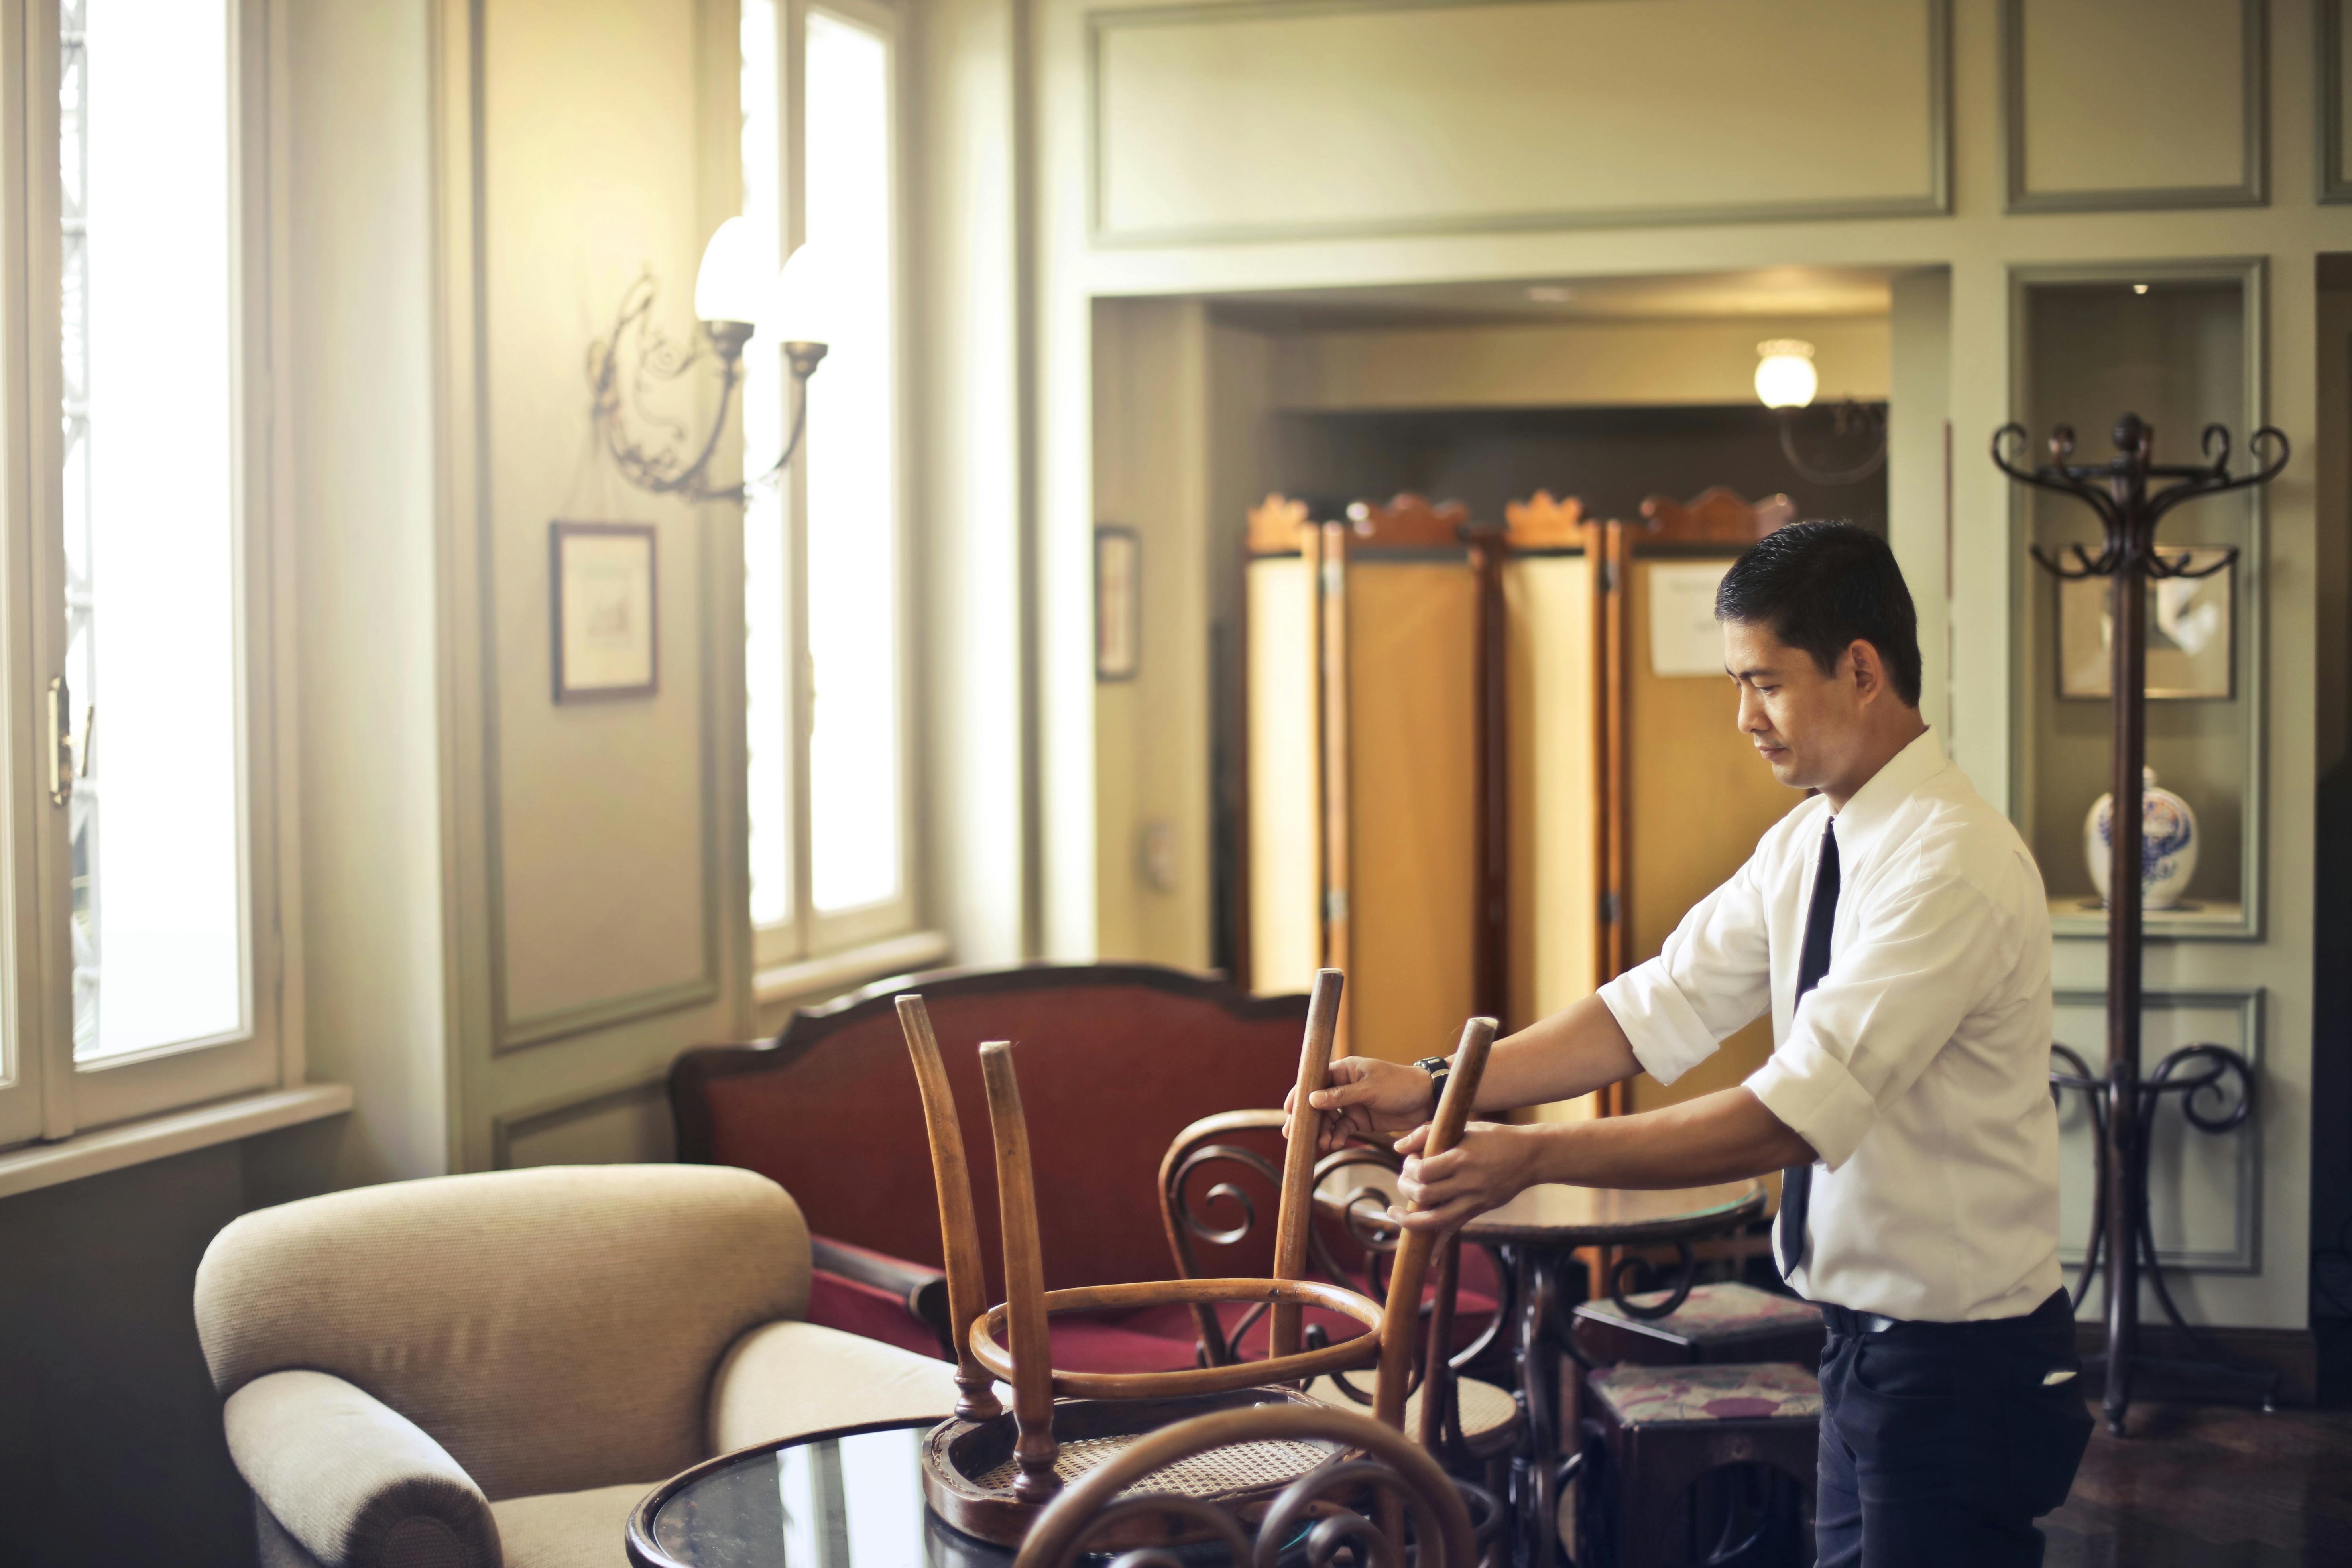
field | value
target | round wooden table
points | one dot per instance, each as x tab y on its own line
1535	1235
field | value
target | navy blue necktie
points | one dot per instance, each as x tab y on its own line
1797	1181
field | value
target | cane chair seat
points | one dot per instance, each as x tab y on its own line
1489	1415
1221	1474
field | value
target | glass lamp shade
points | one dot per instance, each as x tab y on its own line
1784	373
727	287
802	311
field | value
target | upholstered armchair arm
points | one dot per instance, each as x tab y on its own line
358	1484
852	1284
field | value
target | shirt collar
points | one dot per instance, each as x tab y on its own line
1872	806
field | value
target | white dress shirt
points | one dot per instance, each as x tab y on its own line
1918	1067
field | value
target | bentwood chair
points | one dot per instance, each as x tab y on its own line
984	1483
1470	1423
1151	1480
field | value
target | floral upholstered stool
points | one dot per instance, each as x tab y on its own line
1651	1432
1725	1322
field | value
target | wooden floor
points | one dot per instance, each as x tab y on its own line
2205	1486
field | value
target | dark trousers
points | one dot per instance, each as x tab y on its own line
1941	1443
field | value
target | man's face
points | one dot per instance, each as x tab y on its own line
1804	724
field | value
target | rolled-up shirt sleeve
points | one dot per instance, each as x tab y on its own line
1862	1038
1713	975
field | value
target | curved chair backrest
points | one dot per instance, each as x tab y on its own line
1410	1484
553	1329
830	1107
1023	1266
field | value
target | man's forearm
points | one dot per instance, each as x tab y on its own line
1718	1137
1576	1051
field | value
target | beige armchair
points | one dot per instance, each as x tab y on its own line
491	1370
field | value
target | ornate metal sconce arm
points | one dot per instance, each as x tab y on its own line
618	394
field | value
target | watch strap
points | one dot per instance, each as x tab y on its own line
1439	1070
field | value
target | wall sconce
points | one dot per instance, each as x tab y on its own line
730	291
1785	383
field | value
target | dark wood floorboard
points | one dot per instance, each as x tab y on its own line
2212	1487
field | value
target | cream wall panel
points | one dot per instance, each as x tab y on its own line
2152	103
1547	684
1371	116
602	836
1151	474
1617	364
363	401
1286	921
627	1124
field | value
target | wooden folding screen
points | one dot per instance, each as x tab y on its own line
1692	797
1470	783
1363	765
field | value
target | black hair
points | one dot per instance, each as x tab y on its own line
1822	586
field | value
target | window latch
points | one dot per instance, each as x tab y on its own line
62	781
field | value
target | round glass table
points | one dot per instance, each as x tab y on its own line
850	1497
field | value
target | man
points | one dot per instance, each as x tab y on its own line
1896	928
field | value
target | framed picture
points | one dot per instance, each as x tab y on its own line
602	582
2191	632
1118	603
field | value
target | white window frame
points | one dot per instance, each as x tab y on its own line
807	935
36	958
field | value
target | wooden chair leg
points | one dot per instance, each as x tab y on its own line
958	1222
1025	1281
1296	1211
1409	1266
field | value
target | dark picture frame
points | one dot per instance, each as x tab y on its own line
604	611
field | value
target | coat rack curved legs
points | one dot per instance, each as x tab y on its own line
2230	1078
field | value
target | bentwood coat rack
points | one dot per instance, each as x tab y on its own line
2215	1084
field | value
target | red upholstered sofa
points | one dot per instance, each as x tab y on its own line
1115	1062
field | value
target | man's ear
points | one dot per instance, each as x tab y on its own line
1869	671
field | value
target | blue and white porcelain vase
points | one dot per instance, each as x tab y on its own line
2167	844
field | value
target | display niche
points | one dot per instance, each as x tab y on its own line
2182	348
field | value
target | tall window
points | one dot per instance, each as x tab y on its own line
137	991
826	669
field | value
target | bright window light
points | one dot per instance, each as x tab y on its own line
855	807
767	555
151	526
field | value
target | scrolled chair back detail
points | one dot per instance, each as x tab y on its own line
1376	1461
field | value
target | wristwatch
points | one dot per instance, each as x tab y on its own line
1438	1069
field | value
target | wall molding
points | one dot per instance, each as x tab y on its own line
2334	183
1100	23
2252	189
2253	274
546	1115
2245	1256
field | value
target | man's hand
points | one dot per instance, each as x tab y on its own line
1364	1098
1486	1169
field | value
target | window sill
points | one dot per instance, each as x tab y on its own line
41	1165
837	972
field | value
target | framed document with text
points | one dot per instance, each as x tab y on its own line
602	610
